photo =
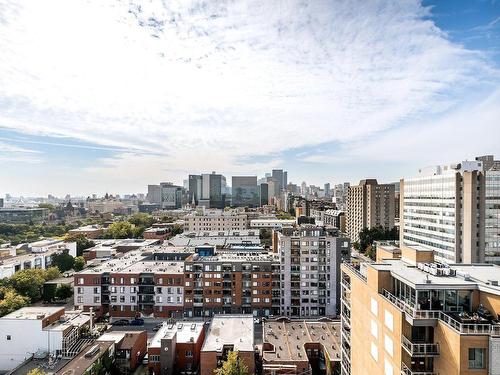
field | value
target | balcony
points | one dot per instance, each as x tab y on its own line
355	269
419	349
405	370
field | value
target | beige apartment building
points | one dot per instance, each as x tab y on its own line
412	316
215	220
369	205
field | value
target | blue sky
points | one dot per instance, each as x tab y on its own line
109	97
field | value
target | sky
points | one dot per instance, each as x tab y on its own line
110	96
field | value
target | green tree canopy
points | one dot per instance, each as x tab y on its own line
52	273
121	229
11	301
64	291
232	366
29	283
79	263
64	261
82	242
141	220
36	371
368	236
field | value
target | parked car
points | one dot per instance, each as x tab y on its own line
256	321
157	327
121	322
137	322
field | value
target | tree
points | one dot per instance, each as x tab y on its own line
49	206
64	261
29	283
82	242
64	291
36	371
79	263
121	229
11	301
368	236
232	366
49	292
177	229
141	220
52	273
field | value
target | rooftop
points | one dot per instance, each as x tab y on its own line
186	332
33	312
290	337
123	339
465	276
233	330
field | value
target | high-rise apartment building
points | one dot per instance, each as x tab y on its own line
369	205
443	209
245	191
492	208
412	316
310	258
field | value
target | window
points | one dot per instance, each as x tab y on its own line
374	351
189	353
9	338
388	370
374	306
477	358
389	345
373	328
79	299
389	320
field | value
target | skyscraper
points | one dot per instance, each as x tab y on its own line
278	176
245	191
264	194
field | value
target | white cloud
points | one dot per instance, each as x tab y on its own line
207	84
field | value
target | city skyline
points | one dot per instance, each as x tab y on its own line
329	91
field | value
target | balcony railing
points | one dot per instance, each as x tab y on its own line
419	349
355	270
405	370
463	328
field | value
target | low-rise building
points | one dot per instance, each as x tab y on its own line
89	231
38	255
130	348
176	348
301	346
271	223
215	220
228	333
23	215
38	331
219	239
100	353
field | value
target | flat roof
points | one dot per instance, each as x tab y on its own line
234	330
468	276
289	337
33	312
186	332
